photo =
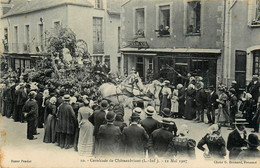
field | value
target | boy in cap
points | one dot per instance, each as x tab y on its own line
236	139
135	138
109	137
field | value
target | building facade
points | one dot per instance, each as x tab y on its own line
170	37
242	44
28	24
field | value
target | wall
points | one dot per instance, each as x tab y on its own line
243	37
33	19
211	24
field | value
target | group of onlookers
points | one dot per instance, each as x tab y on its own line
71	119
221	105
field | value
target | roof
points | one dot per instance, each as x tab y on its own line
27	6
173	50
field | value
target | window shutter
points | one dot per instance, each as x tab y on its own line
240	68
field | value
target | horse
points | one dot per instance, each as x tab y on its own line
131	90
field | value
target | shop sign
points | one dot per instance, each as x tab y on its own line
138	44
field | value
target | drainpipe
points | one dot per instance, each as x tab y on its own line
228	40
223	42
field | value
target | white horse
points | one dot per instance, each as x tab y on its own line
131	89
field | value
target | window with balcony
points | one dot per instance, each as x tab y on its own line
193	17
15	44
40	46
164	21
27	39
139	22
5	40
98	44
99	4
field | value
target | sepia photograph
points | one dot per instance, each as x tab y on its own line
129	83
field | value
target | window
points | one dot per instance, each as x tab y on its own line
99	4
140	66
151	63
5	40
27	38
164	20
27	34
98	45
240	68
256	70
15	48
139	22
119	64
193	17
257	13
57	26
118	39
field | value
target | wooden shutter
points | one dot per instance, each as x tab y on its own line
240	68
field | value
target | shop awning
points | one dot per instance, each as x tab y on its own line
172	50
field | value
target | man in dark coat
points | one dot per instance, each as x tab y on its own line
235	86
30	112
160	139
212	104
251	152
21	99
236	139
135	138
253	88
109	137
200	99
181	100
233	107
65	127
39	99
97	119
150	124
7	97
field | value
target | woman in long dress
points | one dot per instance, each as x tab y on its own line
190	102
86	139
223	116
49	125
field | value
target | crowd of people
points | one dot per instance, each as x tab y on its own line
95	127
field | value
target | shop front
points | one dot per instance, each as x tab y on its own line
168	63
